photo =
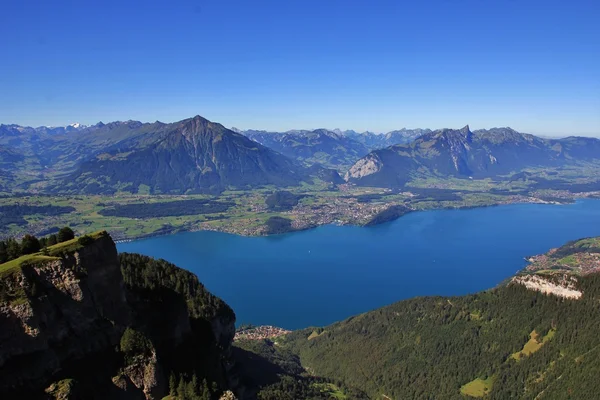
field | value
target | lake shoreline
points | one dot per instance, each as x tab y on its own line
286	281
182	229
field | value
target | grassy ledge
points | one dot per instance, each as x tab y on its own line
53	253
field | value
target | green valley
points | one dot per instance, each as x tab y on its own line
127	216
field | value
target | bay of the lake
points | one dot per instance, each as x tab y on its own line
327	274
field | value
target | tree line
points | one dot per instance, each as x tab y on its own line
14	213
11	248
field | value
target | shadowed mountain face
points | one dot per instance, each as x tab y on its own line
193	155
462	153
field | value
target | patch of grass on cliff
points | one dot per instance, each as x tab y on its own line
12	265
478	387
74	244
331	390
533	344
315	334
52	254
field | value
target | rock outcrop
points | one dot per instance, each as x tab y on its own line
63	319
565	287
70	308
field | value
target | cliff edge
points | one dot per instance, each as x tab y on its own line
80	317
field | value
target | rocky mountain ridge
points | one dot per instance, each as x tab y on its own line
193	155
465	154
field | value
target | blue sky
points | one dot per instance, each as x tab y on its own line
276	65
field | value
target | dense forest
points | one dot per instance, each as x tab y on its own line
11	249
167	209
436	346
389	214
160	292
148	276
276	225
269	372
14	214
282	200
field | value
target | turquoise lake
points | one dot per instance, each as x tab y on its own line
319	276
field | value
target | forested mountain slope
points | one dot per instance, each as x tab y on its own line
514	341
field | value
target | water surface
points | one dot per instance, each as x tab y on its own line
326	274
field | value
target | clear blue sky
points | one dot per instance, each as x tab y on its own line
365	65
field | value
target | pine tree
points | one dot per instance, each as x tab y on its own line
52	239
30	244
193	387
13	249
181	388
65	234
172	385
3	252
205	391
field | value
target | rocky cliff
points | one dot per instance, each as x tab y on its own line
81	318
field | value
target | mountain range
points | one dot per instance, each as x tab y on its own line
381	140
332	148
321	146
199	156
465	154
189	156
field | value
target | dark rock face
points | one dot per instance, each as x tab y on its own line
462	153
72	315
76	306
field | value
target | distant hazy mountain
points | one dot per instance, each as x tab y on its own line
318	146
375	141
463	153
333	148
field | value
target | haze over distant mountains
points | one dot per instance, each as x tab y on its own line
199	156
